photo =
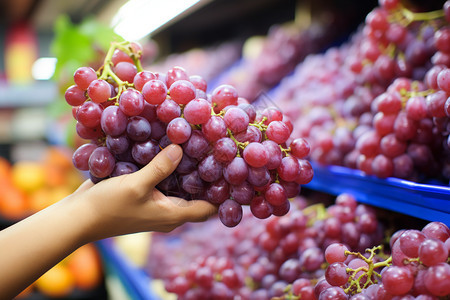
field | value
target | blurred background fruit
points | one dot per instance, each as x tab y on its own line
56	282
29	186
85	266
28	176
80	272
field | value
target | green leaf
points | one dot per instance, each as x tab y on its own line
100	35
78	45
70	45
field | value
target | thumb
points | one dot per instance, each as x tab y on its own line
161	166
87	184
194	210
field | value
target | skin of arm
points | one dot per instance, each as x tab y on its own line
120	205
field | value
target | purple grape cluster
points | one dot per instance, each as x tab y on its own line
379	103
233	155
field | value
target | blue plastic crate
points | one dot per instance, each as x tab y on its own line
424	201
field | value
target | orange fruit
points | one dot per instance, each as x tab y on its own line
58	156
5	169
54	175
85	265
39	200
13	203
28	176
47	196
56	282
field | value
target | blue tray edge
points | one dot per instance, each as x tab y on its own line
428	202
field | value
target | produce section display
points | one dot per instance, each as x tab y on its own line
344	250
266	60
371	115
233	154
379	103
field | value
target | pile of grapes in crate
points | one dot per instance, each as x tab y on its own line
342	251
233	155
380	102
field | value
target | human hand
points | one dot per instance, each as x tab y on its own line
131	203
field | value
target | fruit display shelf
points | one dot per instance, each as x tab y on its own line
425	201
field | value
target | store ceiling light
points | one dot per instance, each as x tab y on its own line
43	68
139	18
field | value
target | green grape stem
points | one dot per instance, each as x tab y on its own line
238	144
422	16
125	47
107	72
285	150
418	93
289	295
355	283
219	114
405	16
405	94
260	125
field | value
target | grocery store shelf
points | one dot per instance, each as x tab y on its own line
424	201
39	93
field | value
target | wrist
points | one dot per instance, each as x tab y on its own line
81	219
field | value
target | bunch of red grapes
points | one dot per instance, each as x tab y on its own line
233	155
261	259
379	103
312	253
283	48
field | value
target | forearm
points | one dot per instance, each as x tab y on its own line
32	246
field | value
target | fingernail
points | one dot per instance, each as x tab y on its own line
173	152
